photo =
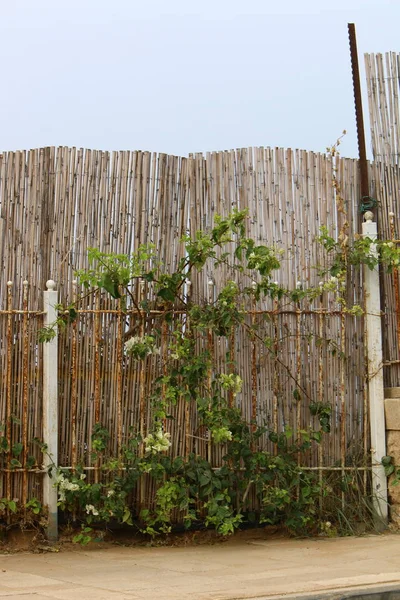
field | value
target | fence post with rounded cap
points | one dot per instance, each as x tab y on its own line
50	409
373	334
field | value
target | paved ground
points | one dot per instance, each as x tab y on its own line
246	569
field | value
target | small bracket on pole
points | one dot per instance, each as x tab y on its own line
367	203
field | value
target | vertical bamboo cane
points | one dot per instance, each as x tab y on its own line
74	369
343	397
232	342
321	383
298	374
187	405
97	373
142	375
8	386
276	374
25	338
395	282
210	345
119	378
253	370
142	401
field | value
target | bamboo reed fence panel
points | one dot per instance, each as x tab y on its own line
55	203
382	72
21	399
386	186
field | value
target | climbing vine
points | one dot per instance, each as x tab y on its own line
188	488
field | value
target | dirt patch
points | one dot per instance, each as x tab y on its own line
195	538
21	540
17	540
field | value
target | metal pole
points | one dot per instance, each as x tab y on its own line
362	153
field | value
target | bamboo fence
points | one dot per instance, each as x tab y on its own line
382	72
55	203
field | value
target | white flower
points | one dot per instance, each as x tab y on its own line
91	509
63	484
129	344
157	442
231	382
71	487
110	493
139	347
83	476
220	435
58	479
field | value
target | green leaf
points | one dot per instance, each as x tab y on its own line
166	294
296	394
317	436
15	464
12	506
3	444
217	483
149	276
72	313
17	449
191	474
31	461
205	479
110	284
127	517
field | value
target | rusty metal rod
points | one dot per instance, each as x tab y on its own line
362	153
315	311
91	468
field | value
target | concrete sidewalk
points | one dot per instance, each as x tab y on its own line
251	569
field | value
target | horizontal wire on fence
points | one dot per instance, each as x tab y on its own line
22	312
355	468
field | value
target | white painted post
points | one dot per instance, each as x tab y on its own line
50	409
373	333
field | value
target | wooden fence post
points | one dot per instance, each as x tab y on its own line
50	409
373	334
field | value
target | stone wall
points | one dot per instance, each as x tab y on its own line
392	418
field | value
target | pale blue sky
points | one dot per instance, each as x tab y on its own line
179	77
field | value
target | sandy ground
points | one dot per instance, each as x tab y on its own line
248	568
